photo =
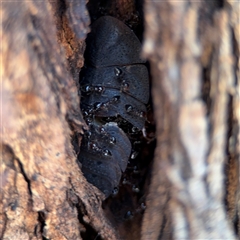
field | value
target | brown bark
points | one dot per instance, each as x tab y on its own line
193	50
184	41
42	184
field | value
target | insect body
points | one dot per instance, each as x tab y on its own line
114	88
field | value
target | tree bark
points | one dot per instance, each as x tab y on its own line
193	48
193	51
42	187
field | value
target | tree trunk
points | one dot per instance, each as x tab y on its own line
191	188
194	55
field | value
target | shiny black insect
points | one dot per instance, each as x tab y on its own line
115	91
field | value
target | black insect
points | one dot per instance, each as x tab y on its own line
115	91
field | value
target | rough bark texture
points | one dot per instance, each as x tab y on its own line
193	50
43	192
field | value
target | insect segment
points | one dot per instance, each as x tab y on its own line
114	88
104	155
